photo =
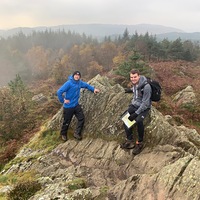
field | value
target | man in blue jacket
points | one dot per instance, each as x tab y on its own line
71	106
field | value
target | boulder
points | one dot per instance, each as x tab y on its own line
39	98
185	97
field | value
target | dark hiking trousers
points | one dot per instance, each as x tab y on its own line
68	114
139	121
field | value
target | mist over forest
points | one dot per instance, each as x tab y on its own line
6	75
47	54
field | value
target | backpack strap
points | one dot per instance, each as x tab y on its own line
142	88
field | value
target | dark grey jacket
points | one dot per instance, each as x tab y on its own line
142	94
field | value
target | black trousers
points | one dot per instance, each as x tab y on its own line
139	121
68	113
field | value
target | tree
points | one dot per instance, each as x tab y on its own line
15	108
118	59
94	69
18	90
187	55
58	72
125	35
164	49
190	51
176	50
134	62
104	55
38	59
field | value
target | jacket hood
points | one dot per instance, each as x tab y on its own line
142	81
70	77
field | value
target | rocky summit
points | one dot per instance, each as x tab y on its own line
97	168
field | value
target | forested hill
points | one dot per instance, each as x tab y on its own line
41	54
184	36
99	30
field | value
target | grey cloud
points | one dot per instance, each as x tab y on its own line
55	12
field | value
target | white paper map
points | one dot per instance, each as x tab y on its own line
126	121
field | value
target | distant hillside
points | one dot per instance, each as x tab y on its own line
101	30
98	30
184	36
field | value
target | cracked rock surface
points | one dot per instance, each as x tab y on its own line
166	169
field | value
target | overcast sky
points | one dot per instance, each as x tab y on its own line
181	14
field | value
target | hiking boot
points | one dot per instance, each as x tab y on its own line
128	144
64	137
138	148
77	136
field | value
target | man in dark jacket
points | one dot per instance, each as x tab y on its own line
138	109
71	107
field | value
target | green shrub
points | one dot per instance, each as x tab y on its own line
76	184
24	190
48	140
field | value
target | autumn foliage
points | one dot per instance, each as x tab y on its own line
44	60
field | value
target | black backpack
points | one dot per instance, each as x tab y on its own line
156	89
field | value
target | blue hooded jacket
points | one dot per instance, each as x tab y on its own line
72	88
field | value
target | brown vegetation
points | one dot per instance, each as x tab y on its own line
175	76
38	115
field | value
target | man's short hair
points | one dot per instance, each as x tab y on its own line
135	71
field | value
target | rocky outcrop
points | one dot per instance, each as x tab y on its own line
166	169
39	98
102	111
185	96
